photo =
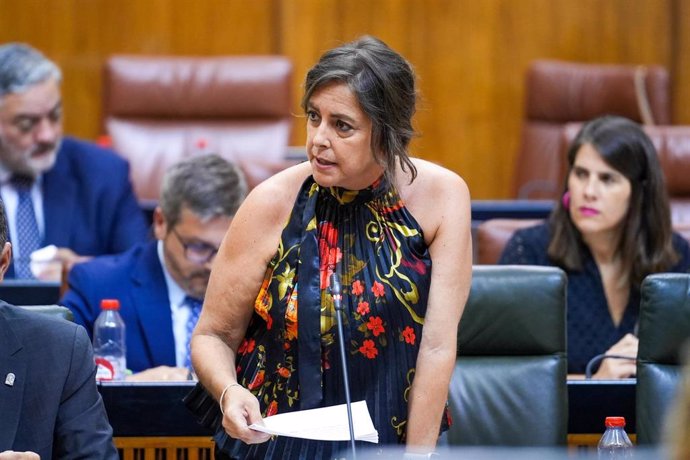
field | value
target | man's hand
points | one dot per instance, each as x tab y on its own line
48	263
12	455
69	258
160	373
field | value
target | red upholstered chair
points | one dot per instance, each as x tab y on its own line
493	235
561	92
158	110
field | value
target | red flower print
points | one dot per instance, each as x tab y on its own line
408	335
284	372
257	380
375	325
329	253
357	288
363	308
272	409
328	233
378	289
326	359
368	349
247	346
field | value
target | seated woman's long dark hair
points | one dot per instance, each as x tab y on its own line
646	242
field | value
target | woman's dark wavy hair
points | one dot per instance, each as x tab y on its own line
646	244
384	84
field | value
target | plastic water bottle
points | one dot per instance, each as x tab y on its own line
109	342
615	442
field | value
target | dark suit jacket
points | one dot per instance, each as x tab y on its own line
88	202
136	279
53	407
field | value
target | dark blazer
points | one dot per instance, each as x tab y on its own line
88	202
136	279
53	406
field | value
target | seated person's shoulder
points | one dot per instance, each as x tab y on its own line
538	233
43	328
107	264
82	155
528	246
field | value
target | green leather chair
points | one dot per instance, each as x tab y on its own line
57	311
664	329
509	384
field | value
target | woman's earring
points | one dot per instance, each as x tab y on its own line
566	200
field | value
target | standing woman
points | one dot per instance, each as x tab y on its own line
396	232
612	229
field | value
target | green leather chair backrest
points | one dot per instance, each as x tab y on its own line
664	329
509	386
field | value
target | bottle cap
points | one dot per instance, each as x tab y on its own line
201	143
614	421
110	304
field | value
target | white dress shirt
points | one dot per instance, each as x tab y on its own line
179	311
10	198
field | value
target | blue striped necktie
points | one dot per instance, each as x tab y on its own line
28	237
195	309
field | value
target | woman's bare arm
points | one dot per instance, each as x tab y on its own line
236	278
451	254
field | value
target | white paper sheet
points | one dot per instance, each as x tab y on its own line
322	424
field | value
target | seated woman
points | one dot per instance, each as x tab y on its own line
612	228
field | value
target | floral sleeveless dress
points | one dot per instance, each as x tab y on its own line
290	355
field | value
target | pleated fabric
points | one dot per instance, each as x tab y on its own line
290	356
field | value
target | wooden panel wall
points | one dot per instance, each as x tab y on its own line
470	55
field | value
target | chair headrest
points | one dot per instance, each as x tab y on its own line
512	310
664	317
197	87
559	91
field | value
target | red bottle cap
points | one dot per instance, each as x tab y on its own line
110	304
201	143
614	421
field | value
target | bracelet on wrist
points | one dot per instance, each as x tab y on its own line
222	395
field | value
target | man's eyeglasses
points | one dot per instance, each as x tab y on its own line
197	252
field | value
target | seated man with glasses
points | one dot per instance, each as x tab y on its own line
161	284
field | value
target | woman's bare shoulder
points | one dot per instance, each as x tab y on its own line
433	181
437	195
256	227
275	196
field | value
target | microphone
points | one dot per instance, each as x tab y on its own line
337	304
589	369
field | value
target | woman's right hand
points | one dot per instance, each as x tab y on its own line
613	368
241	409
